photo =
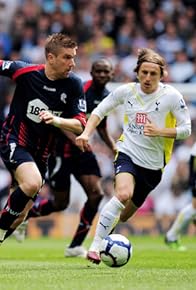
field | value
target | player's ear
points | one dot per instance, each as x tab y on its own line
50	57
164	75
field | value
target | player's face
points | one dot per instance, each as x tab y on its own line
102	73
149	75
62	63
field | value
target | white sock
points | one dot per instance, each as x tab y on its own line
108	218
183	219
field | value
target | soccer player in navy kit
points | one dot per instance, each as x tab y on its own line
83	165
47	98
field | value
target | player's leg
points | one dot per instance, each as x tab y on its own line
110	214
87	172
21	199
132	185
59	186
92	188
58	201
186	215
42	207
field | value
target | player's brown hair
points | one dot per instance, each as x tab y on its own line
149	55
56	41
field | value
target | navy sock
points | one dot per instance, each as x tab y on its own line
86	217
15	204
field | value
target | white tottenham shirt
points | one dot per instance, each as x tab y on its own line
165	107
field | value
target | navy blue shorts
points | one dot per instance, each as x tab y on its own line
13	155
60	169
145	179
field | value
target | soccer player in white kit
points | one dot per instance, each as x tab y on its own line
155	114
188	213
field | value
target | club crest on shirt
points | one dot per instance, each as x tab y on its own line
157	106
63	98
137	126
6	65
141	118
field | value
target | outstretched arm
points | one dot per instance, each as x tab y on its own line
83	139
103	109
71	124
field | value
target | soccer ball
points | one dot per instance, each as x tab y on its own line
115	250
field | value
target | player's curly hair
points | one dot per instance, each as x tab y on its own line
56	41
149	55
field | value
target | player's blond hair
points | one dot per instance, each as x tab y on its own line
149	55
56	41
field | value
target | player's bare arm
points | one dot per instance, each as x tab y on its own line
83	139
72	125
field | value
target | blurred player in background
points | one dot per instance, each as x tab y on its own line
188	213
69	159
47	97
154	115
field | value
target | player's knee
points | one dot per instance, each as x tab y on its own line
31	187
123	196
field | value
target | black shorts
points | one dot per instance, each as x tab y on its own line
145	179
60	169
13	155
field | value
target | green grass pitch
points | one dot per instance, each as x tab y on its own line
40	265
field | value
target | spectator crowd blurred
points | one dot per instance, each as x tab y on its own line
111	28
114	29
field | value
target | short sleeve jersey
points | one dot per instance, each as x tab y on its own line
35	92
165	107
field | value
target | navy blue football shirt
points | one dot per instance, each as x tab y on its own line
35	92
